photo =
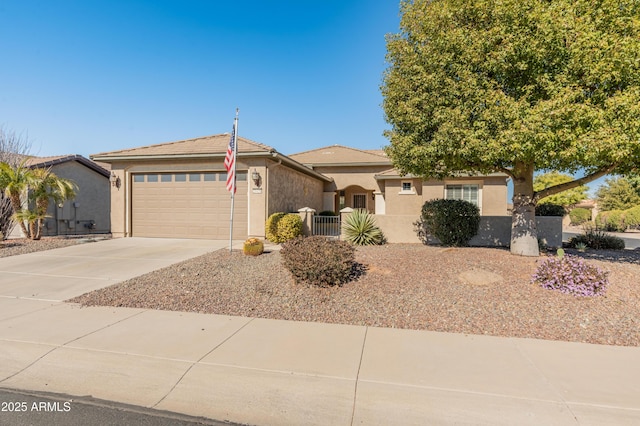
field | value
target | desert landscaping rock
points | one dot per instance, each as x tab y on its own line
403	286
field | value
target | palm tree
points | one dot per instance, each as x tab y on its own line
14	180
45	185
32	218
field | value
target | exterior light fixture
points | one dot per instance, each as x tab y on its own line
255	176
115	180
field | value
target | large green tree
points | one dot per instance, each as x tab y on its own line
566	198
515	86
617	193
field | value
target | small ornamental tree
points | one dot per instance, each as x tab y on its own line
515	86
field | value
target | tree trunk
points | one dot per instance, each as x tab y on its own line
524	235
16	203
33	228
42	205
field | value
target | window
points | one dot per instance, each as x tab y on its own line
165	177
152	178
406	187
466	192
222	176
138	178
194	177
180	177
359	201
209	177
241	177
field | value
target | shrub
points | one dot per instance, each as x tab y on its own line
453	222
289	227
271	227
360	228
579	216
612	221
597	240
571	275
253	247
550	210
319	261
327	213
632	217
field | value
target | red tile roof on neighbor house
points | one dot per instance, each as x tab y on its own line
197	147
341	155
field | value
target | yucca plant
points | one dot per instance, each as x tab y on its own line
360	229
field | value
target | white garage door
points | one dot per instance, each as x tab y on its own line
187	205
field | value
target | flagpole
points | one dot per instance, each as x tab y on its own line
233	190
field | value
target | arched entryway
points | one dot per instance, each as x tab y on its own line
356	197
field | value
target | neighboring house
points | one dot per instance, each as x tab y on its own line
178	189
89	211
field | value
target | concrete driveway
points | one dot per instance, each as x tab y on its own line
60	274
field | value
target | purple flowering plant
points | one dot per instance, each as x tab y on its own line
571	275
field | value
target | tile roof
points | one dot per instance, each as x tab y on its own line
40	162
340	155
215	144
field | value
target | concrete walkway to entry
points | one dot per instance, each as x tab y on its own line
271	372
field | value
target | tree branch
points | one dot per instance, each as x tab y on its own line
538	195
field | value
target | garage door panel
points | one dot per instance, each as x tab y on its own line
191	209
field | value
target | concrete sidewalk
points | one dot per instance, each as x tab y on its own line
269	372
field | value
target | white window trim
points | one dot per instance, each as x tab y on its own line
464	182
412	191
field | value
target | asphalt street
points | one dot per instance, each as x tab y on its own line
18	408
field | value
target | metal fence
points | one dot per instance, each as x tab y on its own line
328	226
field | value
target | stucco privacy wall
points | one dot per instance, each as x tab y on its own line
290	190
494	230
90	205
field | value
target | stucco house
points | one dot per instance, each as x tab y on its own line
89	211
178	189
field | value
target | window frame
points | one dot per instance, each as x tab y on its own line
464	183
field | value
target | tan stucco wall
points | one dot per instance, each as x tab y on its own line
355	175
494	230
91	203
398	202
289	190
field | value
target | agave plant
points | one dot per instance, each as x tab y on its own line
360	228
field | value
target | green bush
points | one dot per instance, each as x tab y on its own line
612	221
289	227
271	227
360	228
453	222
550	210
597	240
632	217
579	216
327	213
318	260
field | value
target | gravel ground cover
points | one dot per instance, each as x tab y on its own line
460	290
14	247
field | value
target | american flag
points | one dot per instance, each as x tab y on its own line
229	162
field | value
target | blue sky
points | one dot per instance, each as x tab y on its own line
82	77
